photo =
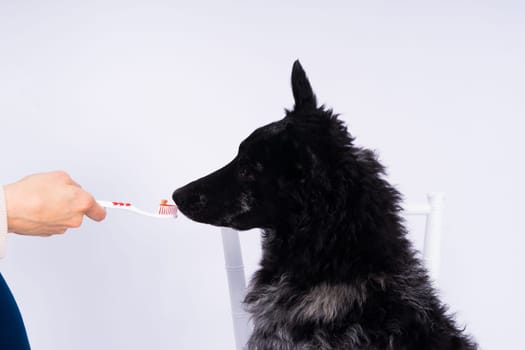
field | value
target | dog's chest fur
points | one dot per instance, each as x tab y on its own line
287	319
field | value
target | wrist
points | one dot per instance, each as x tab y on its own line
11	210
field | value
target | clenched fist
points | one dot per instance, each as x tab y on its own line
47	204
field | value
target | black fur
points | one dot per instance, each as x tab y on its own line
337	270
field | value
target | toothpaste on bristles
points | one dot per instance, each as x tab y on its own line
167	209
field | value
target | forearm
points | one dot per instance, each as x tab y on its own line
3	222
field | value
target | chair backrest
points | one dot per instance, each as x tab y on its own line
432	210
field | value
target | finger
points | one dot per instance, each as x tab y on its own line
95	211
60	231
75	221
43	234
87	205
57	230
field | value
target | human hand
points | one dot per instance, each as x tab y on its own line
48	203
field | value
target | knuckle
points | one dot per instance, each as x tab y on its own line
61	174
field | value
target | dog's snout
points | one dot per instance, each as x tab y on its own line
179	197
187	198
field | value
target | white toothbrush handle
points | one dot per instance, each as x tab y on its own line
129	207
107	204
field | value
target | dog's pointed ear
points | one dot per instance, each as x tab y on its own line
302	90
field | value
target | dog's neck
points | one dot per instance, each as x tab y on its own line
366	240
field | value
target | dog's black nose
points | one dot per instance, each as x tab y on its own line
178	197
188	198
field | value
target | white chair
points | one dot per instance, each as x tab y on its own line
432	211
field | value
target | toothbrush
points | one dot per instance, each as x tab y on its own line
164	210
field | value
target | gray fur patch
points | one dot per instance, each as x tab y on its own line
276	308
246	202
325	302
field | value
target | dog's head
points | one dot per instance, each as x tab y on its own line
279	170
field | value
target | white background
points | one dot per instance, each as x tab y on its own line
136	98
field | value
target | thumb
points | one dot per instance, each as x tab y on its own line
95	211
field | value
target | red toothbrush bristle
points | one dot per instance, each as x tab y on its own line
167	209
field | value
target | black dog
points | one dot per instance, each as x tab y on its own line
337	270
